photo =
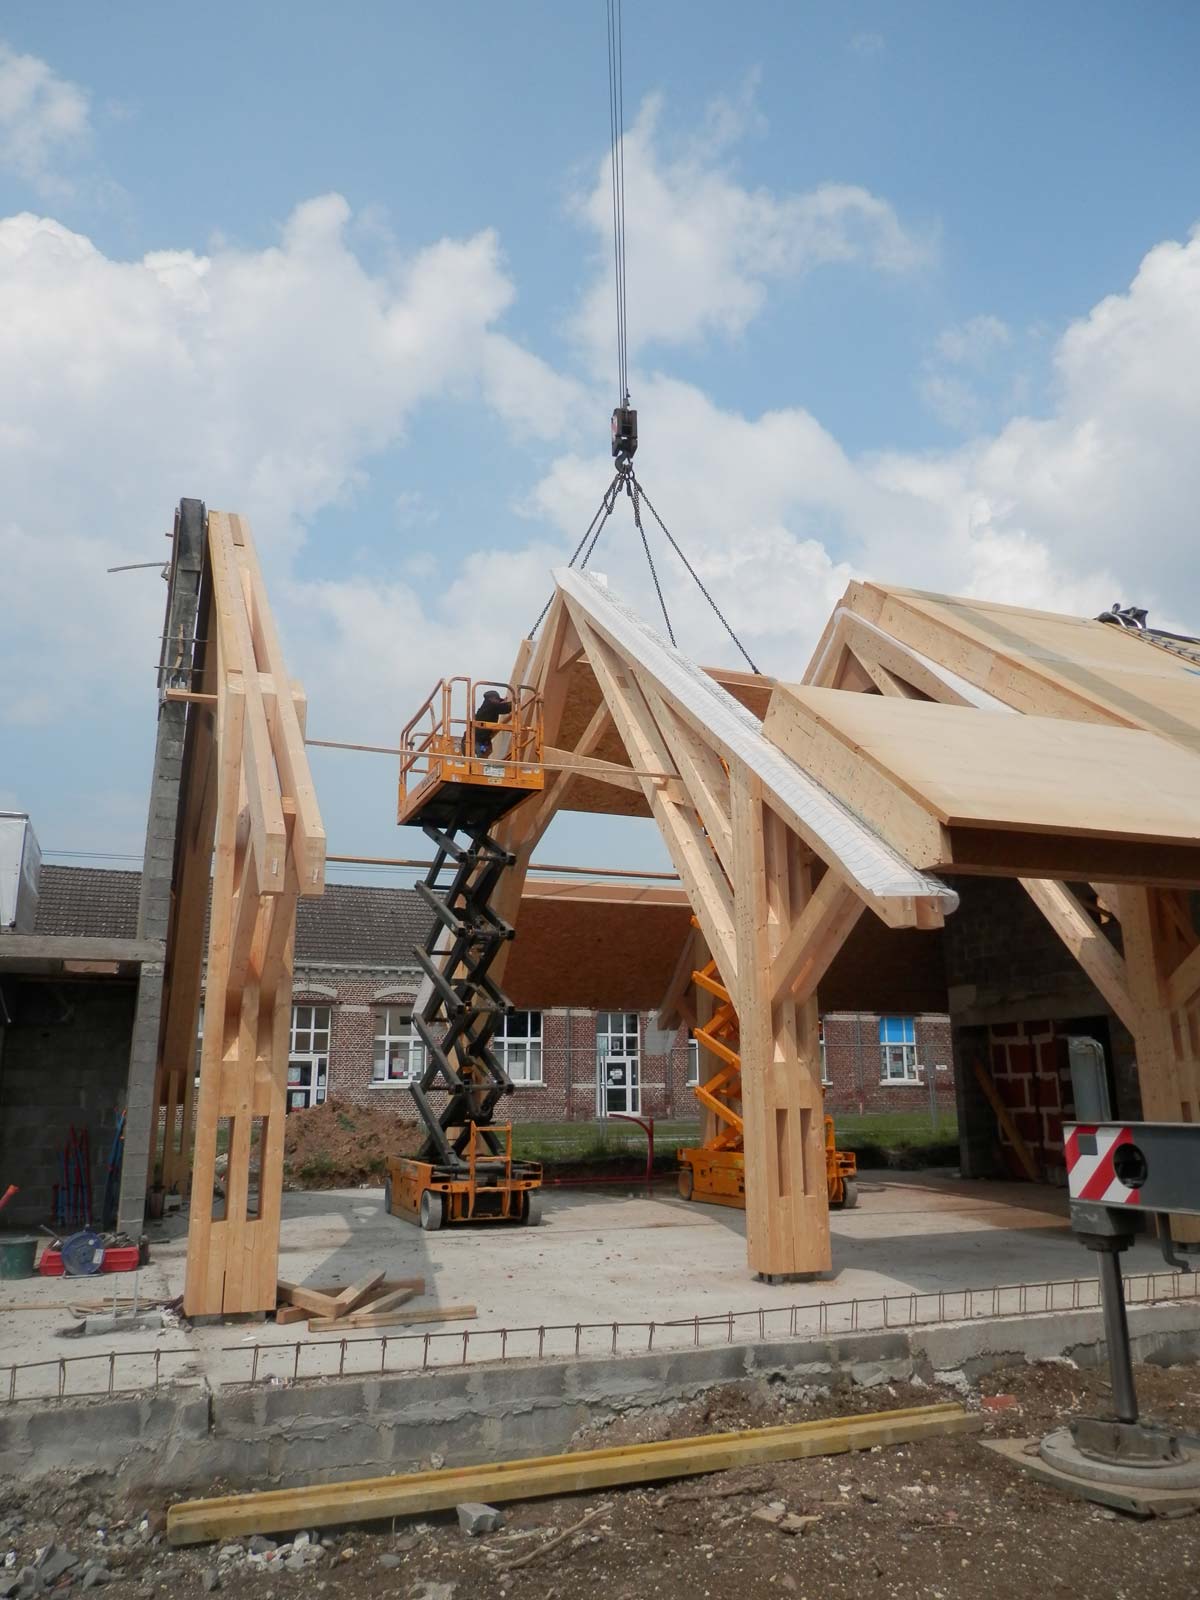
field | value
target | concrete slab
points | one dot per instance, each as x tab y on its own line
599	1257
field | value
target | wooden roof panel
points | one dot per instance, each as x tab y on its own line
936	779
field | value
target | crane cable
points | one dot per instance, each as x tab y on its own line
625	477
616	127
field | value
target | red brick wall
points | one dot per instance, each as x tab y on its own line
1031	1071
568	1089
854	1065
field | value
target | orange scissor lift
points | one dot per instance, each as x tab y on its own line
459	774
715	1171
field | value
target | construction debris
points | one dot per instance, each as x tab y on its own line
373	1302
477	1519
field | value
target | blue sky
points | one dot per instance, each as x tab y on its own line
913	292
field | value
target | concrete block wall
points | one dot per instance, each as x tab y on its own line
65	1063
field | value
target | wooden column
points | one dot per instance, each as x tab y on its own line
787	1202
1162	963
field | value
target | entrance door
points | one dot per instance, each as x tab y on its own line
307	1078
619	1088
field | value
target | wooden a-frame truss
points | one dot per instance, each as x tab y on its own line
250	840
777	874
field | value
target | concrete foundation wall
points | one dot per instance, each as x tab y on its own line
65	1063
359	1427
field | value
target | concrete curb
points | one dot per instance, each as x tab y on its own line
333	1429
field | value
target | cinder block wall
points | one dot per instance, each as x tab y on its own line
64	1062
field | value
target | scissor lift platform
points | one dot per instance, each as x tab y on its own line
460	771
457	768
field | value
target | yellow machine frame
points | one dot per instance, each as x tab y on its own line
715	1172
437	746
495	1188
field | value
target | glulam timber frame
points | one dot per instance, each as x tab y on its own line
908	645
249	843
777	873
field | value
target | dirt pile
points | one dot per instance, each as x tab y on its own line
343	1146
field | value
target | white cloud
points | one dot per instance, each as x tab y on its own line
867	43
261	379
43	119
953	382
703	248
973	342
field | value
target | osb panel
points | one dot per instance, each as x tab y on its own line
582	699
594	953
581	945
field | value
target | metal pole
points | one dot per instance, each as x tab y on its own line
1116	1334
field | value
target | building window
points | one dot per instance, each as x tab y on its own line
693	1064
517	1043
618	1063
399	1053
825	1078
308	1058
898	1050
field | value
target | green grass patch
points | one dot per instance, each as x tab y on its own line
907	1139
896	1139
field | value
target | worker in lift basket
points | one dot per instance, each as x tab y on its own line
492	708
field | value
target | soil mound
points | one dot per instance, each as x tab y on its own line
342	1146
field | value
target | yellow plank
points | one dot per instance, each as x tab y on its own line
417	1493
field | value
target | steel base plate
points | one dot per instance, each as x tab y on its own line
1140	1491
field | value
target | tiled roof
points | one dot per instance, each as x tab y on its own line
88	902
351	924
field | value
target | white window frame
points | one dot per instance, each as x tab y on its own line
693	1062
898	1056
307	1030
826	1080
399	1055
518	1046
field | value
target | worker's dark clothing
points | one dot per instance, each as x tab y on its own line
491	709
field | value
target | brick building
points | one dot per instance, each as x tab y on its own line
356	980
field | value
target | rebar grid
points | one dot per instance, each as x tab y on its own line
67	1377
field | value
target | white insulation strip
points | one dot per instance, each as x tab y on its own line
837	833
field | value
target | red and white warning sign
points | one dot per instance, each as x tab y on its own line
1091	1149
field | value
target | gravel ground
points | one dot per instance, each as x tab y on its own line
943	1520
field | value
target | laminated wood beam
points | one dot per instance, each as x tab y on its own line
1184	983
192	1522
787	1198
693	859
815	939
1103	965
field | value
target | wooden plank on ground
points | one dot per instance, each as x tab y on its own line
417	1493
286	1315
319	1302
352	1297
392	1319
393	1298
